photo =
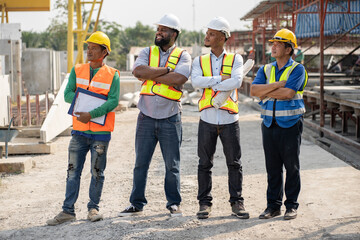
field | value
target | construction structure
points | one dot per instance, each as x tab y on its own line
7	6
81	31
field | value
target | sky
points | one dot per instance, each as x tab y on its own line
193	14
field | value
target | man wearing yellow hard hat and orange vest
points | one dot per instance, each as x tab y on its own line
96	77
280	86
216	73
163	69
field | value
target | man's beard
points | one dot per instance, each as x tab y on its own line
162	42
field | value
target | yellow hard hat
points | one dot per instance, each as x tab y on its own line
100	38
285	35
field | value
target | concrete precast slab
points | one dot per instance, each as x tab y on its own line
16	164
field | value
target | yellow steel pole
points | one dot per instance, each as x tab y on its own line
3	12
80	45
98	15
89	19
6	13
70	36
84	32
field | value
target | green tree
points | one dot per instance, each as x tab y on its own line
140	36
34	39
57	35
189	38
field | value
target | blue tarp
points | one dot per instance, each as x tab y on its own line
308	25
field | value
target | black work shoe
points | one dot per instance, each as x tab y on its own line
290	213
238	210
130	211
270	213
204	212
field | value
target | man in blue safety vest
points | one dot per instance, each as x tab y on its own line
280	86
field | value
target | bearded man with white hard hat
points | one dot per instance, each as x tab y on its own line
163	70
217	72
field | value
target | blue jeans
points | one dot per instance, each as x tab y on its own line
78	148
149	131
230	138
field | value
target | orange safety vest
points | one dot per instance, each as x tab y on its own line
206	99
150	87
101	84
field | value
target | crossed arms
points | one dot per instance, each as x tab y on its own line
275	90
159	74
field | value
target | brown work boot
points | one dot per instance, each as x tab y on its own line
94	215
61	218
204	212
239	211
290	213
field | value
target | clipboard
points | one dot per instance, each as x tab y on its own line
86	101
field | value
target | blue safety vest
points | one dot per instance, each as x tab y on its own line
287	112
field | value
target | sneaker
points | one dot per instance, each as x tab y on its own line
238	210
93	215
61	218
175	211
290	213
270	213
130	211
204	212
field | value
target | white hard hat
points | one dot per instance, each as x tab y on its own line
171	21
220	24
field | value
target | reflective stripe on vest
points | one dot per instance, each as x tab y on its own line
81	81
150	87
206	99
100	83
288	107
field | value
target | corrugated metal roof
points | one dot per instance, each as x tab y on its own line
263	7
308	25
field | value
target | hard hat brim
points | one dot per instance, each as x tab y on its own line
108	49
286	41
157	24
227	34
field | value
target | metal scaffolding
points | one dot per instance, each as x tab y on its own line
80	32
269	16
7	6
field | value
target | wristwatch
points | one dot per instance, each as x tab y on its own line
169	69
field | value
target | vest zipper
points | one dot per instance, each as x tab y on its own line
274	108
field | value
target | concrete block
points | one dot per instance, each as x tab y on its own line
29	132
30	148
58	119
10	31
66	132
16	165
4	93
129	84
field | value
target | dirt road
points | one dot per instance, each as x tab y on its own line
329	199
